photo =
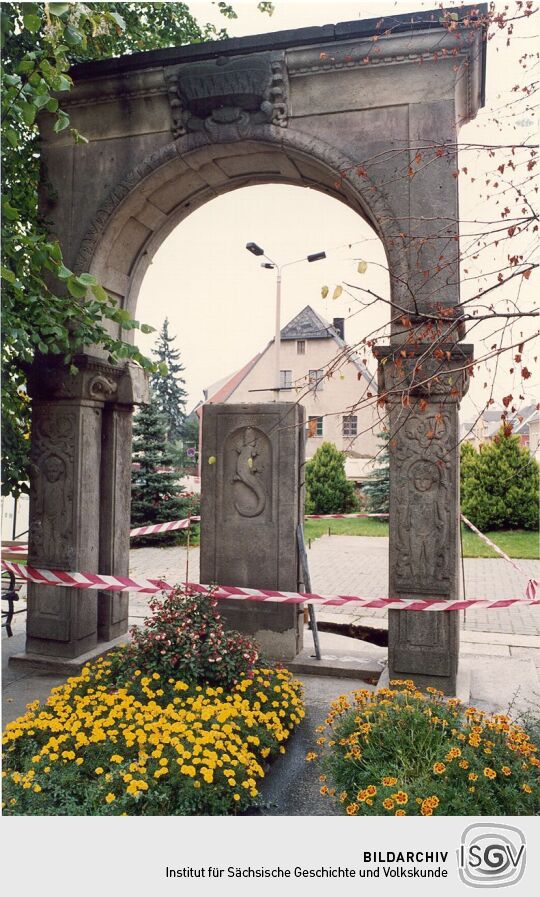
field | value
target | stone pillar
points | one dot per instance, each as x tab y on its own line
422	394
79	500
115	503
252	502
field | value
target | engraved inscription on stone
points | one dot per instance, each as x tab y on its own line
248	473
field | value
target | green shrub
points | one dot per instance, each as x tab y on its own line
499	485
184	637
328	491
400	752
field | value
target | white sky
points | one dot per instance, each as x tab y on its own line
218	299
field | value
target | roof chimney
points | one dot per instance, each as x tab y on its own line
339	326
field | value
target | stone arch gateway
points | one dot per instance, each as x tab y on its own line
347	109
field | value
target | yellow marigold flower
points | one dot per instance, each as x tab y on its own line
439	768
343	796
490	773
311	755
401	797
464	764
400	813
426	809
388	803
527	789
371	791
98	770
37	788
352	809
110	797
389	781
472	777
323	790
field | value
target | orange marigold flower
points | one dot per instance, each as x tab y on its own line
506	770
464	764
324	790
389	781
352	809
400	813
527	789
490	773
439	768
311	755
388	803
401	797
473	777
426	810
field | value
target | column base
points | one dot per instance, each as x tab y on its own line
69	666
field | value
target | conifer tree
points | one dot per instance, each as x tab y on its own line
377	491
328	491
499	485
155	487
168	389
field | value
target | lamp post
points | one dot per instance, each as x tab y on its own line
269	263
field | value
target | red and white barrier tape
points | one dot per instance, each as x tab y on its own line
163	527
152	586
532	584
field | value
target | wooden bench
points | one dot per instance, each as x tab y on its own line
12	584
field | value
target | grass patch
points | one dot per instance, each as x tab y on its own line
516	544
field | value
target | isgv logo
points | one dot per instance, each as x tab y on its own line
491	855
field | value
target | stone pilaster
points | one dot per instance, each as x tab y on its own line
73	513
422	393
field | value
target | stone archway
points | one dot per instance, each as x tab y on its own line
167	131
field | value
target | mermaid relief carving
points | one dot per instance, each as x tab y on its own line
249	473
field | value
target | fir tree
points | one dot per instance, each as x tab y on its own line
377	491
168	389
155	487
499	485
328	491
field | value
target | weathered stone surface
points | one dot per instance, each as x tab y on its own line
79	499
422	393
252	502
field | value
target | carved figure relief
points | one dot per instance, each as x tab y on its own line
52	487
228	94
422	496
247	473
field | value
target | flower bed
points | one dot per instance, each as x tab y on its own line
150	747
400	752
179	722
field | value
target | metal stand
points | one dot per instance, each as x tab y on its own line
307	588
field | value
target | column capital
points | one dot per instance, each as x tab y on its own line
95	380
425	370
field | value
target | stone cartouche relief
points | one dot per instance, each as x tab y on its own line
228	94
247	486
422	496
52	483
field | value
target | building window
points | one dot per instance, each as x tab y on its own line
350	425
285	379
316	379
300	347
315	426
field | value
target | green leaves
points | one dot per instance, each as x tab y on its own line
62	121
58	9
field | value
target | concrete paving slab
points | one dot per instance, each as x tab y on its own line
504	684
476	648
341	656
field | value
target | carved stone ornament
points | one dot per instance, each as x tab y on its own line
422	474
228	94
424	371
248	473
95	380
52	482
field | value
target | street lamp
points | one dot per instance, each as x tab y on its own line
269	263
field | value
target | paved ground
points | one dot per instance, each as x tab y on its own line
358	565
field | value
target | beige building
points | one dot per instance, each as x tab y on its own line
319	370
